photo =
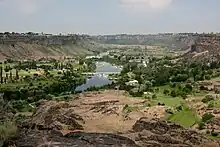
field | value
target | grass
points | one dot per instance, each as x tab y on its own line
185	118
216	103
7	130
129	109
167	100
214	137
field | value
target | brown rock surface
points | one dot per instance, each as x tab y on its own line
153	132
92	112
36	138
103	113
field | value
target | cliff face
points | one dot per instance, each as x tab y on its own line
205	48
169	40
24	46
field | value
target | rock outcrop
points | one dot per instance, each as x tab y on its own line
157	133
36	138
51	115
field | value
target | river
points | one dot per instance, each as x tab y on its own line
101	78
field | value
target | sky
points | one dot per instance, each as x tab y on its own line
110	16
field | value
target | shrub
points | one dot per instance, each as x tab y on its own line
49	97
31	84
179	108
211	105
166	92
201	125
173	93
154	96
207	116
207	98
214	134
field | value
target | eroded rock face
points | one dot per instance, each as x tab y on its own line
56	116
77	139
159	133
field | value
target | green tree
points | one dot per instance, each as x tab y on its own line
1	72
10	75
173	93
17	75
166	92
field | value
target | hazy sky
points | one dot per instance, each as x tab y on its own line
110	16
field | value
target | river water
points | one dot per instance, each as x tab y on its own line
101	78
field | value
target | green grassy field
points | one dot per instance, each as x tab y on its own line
185	118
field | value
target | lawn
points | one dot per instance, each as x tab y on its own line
185	118
167	100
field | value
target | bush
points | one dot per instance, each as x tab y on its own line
207	116
49	97
154	96
214	134
211	105
173	93
179	108
166	92
31	84
208	98
201	125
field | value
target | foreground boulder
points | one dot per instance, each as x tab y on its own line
52	138
55	116
157	133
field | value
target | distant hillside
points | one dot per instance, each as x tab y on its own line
171	41
34	46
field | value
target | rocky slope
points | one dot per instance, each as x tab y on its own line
73	123
206	48
41	46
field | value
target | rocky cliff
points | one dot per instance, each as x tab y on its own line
31	46
206	48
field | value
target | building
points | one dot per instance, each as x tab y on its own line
132	83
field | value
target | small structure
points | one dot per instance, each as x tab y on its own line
132	83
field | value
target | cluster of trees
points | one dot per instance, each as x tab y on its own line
31	88
20	96
162	72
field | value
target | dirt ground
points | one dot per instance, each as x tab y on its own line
103	111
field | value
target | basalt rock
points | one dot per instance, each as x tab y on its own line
158	133
56	116
36	138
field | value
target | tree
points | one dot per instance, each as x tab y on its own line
1	72
148	85
173	93
195	71
10	75
166	92
17	75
